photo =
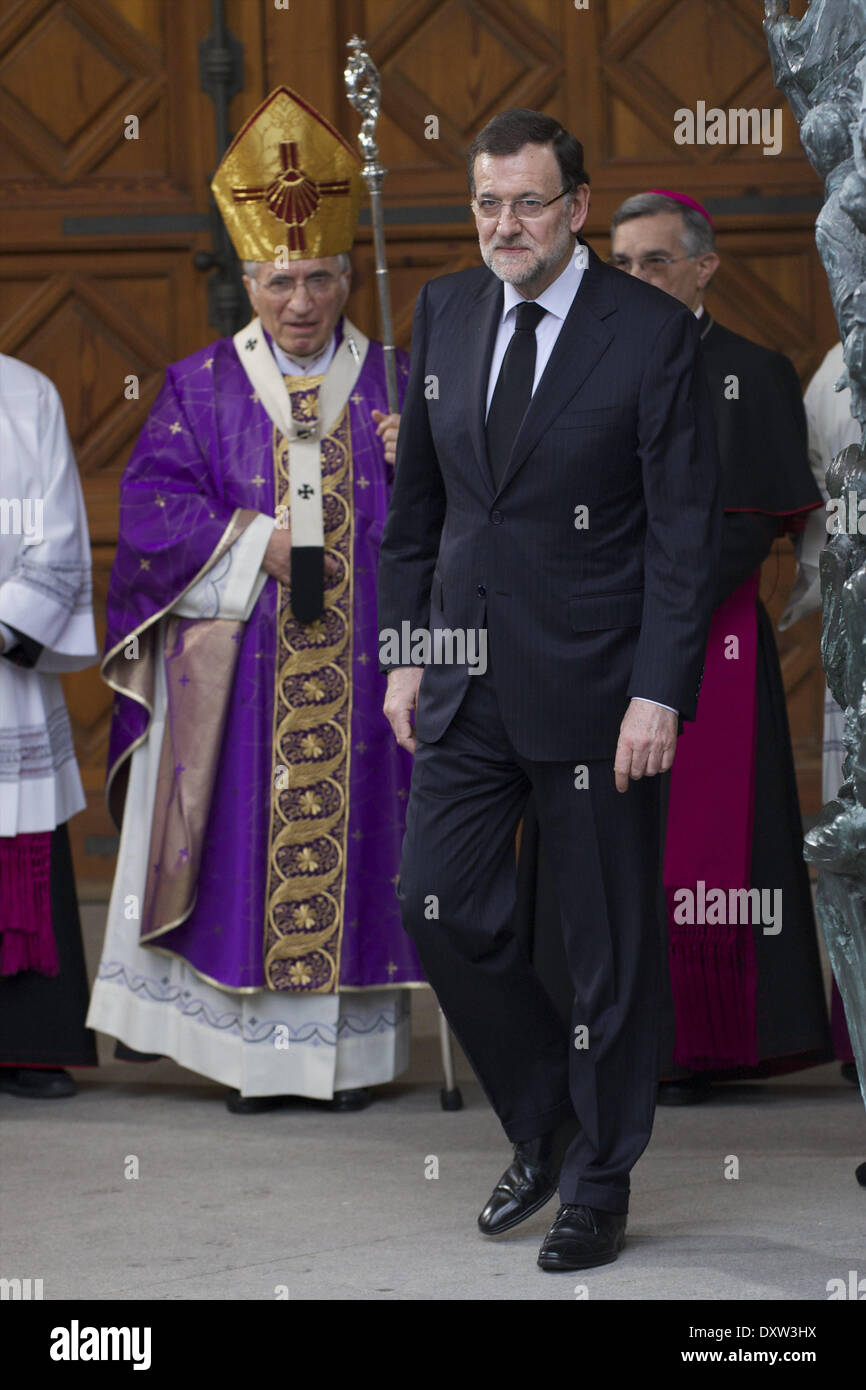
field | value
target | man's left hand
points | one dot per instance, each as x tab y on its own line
647	742
386	428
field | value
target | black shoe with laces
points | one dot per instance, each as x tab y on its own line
582	1237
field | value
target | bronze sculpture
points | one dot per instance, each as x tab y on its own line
819	63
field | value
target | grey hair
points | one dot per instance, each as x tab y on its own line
250	267
697	235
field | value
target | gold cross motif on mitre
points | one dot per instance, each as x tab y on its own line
292	195
289	183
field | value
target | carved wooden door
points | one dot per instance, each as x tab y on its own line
102	216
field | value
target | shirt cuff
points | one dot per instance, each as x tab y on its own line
655	702
9	638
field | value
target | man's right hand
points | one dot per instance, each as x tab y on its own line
401	697
277	560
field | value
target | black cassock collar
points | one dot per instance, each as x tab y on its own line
760	426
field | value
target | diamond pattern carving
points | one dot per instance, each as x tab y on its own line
720	58
66	79
507	59
80	336
491	67
84	77
723	63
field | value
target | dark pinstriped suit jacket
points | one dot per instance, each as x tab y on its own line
578	619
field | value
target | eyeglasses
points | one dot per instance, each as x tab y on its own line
284	286
646	264
523	209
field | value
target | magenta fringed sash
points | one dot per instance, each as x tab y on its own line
26	934
709	846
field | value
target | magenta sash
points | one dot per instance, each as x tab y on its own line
709	846
26	931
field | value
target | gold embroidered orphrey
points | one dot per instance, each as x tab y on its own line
306	870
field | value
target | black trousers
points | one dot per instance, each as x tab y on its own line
457	893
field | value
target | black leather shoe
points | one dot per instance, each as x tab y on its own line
582	1237
252	1105
849	1072
350	1100
686	1090
528	1182
38	1083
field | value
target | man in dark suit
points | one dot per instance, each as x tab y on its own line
555	492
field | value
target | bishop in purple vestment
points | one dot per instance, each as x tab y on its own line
253	931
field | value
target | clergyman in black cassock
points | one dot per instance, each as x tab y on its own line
775	1018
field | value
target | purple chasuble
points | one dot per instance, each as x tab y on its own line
205	462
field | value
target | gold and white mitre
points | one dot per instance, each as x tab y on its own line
288	180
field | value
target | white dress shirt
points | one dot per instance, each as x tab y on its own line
557	299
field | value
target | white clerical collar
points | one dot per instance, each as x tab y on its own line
314	366
557	298
699	311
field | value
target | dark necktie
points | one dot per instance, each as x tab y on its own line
513	390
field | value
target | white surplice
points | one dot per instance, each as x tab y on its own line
45	593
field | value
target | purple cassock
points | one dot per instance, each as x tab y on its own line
280	807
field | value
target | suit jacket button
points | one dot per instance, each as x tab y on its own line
497	518
481	591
